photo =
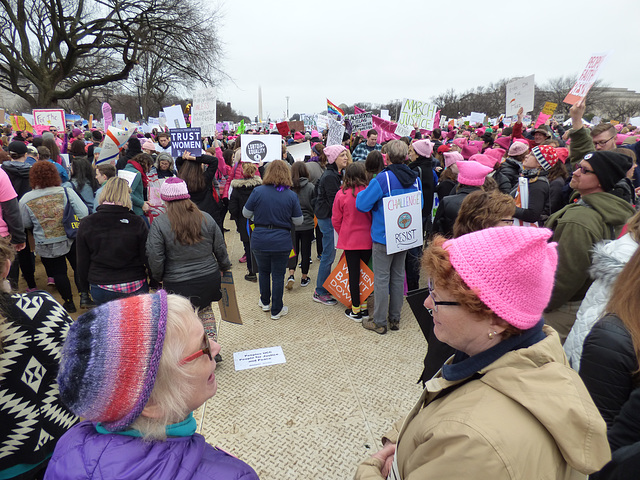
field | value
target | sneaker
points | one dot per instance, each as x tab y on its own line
394	324
365	314
305	282
324	299
85	301
356	317
370	325
51	281
243	259
69	306
265	308
282	313
252	277
290	281
30	290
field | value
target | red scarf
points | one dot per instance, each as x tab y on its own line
138	167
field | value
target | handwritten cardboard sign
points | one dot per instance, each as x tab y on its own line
415	112
336	131
520	93
309	122
549	108
186	139
361	121
586	79
203	111
43	118
337	283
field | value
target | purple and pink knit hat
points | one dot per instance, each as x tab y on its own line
110	359
511	269
174	188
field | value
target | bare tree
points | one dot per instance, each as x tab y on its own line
54	49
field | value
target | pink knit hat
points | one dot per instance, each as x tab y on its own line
333	151
485	160
452	157
497	153
460	141
518	148
472	173
148	145
424	148
504	142
511	269
298	136
468	151
174	188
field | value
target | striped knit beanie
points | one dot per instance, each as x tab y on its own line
174	188
545	155
110	359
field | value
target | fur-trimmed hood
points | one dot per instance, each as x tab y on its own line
610	257
246	182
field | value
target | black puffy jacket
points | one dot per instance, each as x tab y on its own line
448	210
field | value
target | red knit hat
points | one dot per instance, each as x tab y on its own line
545	155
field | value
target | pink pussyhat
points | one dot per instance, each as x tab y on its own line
485	160
452	157
472	173
511	269
504	142
497	153
424	148
460	141
468	151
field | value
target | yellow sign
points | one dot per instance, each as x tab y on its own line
549	108
19	123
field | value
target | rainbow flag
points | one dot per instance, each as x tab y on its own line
334	109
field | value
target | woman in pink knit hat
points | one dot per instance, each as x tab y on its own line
506	404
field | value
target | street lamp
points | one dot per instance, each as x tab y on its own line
287	107
138	85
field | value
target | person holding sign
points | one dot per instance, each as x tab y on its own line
388	268
508	391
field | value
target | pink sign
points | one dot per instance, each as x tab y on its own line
106	115
543	117
43	118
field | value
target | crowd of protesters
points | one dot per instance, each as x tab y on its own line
530	237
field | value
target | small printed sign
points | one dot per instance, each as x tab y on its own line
261	357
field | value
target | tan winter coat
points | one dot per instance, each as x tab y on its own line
528	417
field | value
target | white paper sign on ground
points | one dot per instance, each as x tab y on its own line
261	357
174	116
299	150
403	130
128	176
403	220
336	131
261	148
587	78
520	93
416	112
203	112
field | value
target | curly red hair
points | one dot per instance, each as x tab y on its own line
44	174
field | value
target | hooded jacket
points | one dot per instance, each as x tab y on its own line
401	180
528	416
449	208
511	169
307	197
577	228
538	210
608	260
240	193
19	175
326	190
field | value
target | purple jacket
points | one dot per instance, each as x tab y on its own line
84	453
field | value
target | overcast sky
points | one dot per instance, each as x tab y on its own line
381	50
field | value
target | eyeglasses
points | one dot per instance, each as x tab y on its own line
435	303
203	351
583	169
602	143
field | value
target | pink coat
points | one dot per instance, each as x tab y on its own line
352	225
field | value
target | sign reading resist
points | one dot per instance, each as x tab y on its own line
186	139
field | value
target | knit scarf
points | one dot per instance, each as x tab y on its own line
138	167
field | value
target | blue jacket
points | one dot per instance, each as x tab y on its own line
370	199
86	452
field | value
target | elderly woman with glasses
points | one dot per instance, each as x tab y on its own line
506	404
135	369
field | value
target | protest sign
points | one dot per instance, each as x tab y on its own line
477	117
543	117
526	120
361	122
128	176
549	108
2	115
322	122
384	114
48	117
299	150
309	122
586	79
298	126
283	128
419	113
260	357
403	130
228	304
336	131
634	121
261	148
119	119
107	118
114	140
174	117
186	139
203	111
337	283
520	93
559	117
386	129
403	220
19	123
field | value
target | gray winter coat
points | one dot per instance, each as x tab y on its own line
173	262
307	197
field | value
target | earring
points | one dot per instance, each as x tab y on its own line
492	334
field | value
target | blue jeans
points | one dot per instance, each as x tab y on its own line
272	267
100	295
328	254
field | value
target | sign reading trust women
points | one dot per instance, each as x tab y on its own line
261	148
186	140
403	220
